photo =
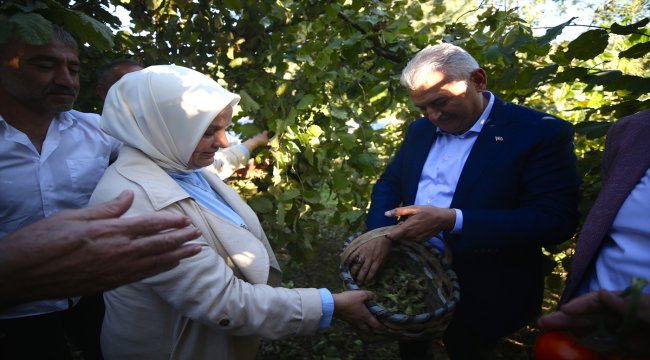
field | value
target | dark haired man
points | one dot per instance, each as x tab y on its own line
51	158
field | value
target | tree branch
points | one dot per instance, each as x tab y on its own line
376	45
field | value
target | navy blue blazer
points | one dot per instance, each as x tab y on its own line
518	191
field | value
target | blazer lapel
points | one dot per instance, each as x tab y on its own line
418	156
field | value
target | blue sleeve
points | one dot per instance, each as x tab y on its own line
328	308
398	184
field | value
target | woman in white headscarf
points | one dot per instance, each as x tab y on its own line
216	304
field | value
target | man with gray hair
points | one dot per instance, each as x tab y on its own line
491	181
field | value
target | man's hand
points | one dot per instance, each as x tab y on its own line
423	223
588	313
85	251
368	258
350	307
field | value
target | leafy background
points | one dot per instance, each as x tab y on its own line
323	76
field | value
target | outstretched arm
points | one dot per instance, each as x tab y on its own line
85	251
230	159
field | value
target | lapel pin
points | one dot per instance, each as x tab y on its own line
498	138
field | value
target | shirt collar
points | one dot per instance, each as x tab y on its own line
65	120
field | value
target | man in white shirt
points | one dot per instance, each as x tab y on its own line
51	158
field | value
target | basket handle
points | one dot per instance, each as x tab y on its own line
379	232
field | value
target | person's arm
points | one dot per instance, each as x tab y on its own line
386	194
397	185
205	289
350	307
230	159
261	139
85	251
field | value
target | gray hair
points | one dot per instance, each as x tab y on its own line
59	34
447	58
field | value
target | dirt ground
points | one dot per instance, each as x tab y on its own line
340	341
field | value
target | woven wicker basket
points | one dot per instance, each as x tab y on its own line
442	288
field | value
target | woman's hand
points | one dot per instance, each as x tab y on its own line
350	307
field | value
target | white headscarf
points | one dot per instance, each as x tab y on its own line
163	111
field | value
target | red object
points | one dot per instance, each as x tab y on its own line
558	345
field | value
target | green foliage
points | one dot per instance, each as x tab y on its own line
323	76
320	75
31	22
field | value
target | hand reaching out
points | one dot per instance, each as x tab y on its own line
423	222
85	251
261	139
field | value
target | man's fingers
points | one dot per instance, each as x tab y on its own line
587	303
352	258
152	265
371	320
362	274
369	295
560	321
401	211
397	233
107	210
166	241
613	301
149	224
367	271
372	271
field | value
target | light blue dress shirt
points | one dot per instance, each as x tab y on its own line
195	185
443	166
61	176
627	255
